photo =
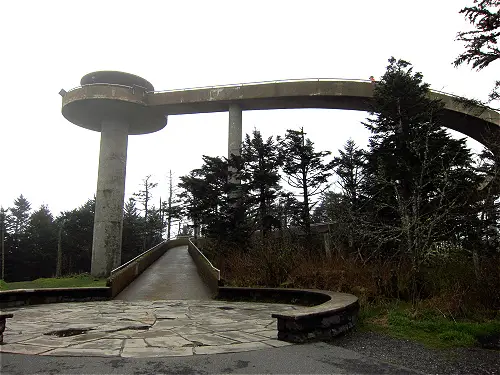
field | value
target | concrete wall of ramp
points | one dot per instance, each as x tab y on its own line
124	275
209	274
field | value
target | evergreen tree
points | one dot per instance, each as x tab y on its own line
336	210
418	179
205	193
155	227
186	230
331	209
171	209
306	170
3	238
487	228
42	244
215	204
259	171
348	167
289	210
17	242
133	231
60	222
481	44
20	214
144	197
77	238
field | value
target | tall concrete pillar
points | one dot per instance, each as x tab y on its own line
235	130
108	220
235	134
115	104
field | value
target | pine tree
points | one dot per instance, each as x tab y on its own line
171	209
3	235
349	167
17	223
205	193
349	170
487	228
216	205
20	214
155	227
306	170
418	179
144	197
481	44
259	172
42	243
77	238
133	231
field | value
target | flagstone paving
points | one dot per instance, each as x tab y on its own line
142	328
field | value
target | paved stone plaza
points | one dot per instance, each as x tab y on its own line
142	329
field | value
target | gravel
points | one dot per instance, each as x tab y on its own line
418	357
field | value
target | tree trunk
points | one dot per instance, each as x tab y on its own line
263	213
305	212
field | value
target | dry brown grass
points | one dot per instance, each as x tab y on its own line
448	287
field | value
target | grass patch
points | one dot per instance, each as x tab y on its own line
76	281
427	326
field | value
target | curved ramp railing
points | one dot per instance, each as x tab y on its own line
124	275
253	83
263	83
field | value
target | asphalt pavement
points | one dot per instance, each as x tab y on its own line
316	358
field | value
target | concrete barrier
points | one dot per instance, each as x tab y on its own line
21	297
125	274
209	274
328	314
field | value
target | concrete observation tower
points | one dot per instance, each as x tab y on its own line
115	104
118	104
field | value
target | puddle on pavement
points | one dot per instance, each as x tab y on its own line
194	344
68	332
134	328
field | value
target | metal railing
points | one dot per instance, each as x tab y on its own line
133	87
204	257
263	83
233	85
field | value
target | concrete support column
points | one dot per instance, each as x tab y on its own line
235	133
108	220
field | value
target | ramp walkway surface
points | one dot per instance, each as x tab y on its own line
172	277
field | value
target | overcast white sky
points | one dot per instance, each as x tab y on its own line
49	45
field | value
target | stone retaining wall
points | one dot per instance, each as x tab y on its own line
20	297
327	314
301	297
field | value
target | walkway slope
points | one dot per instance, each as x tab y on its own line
172	277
